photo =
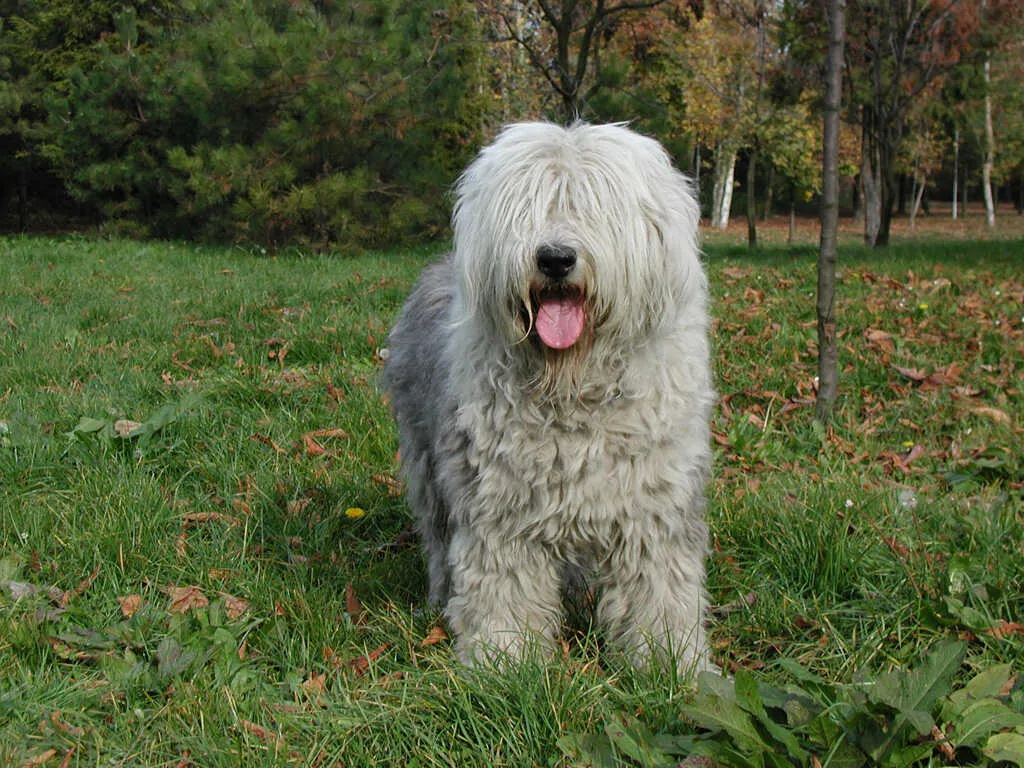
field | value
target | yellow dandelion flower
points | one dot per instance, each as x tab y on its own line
355	512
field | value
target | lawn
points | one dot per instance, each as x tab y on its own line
205	558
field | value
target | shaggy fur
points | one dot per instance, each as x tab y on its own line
529	461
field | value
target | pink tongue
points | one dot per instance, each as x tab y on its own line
560	321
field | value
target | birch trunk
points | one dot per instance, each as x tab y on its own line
721	192
956	168
990	151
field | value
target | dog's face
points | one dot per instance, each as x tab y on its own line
567	238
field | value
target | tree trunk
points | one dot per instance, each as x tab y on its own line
990	151
769	196
956	167
752	200
792	214
721	192
828	353
915	202
870	185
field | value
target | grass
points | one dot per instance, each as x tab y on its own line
205	559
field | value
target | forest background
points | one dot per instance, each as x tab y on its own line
335	125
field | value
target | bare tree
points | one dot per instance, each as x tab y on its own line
828	356
563	40
898	50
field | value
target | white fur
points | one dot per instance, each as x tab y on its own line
525	465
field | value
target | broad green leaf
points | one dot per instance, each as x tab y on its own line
634	741
1007	747
985	684
716	713
917	689
983	718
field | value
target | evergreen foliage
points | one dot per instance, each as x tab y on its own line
257	121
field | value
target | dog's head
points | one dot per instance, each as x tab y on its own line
567	239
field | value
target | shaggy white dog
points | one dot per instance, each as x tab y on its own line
551	383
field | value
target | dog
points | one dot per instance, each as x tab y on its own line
552	387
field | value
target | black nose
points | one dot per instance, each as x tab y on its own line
556	261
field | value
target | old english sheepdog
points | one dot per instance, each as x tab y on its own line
552	387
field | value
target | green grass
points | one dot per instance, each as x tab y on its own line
831	548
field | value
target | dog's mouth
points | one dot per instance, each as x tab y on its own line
559	315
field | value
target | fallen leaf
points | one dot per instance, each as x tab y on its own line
261	733
181	546
71	730
311	447
434	636
195	518
40	759
124	427
129	605
1003	628
942	741
360	664
914	374
998	416
353	607
184	599
881	340
235	606
296	507
330	432
394	487
82	587
267	441
315	684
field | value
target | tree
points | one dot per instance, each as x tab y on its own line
564	41
269	123
828	363
897	49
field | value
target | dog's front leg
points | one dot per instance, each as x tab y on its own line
654	602
506	595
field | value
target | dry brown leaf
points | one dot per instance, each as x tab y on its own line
181	546
296	507
195	518
41	759
353	607
235	606
434	636
311	447
942	741
914	374
315	684
360	664
1003	628
267	441
998	416
184	599
261	733
71	730
394	488
129	605
329	432
124	427
82	587
879	339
